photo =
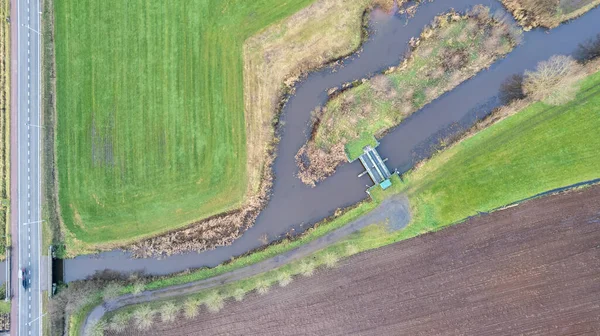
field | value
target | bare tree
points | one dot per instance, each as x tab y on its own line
144	317
119	322
330	259
168	312
214	301
554	81
190	307
112	290
138	288
238	294
97	328
588	50
307	268
262	287
284	278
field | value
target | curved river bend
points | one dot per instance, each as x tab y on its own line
294	206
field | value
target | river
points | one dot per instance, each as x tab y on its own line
295	206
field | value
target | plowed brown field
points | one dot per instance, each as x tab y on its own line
532	269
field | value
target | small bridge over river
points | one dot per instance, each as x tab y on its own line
375	167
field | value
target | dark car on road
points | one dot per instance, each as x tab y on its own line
25	276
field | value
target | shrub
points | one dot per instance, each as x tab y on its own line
351	249
238	294
111	291
190	307
511	89
214	302
138	288
97	328
588	50
168	312
330	259
262	287
119	322
284	278
307	268
554	81
144	317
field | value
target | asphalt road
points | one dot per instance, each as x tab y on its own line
28	210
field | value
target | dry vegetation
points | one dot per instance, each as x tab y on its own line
547	13
4	125
588	50
4	322
274	60
454	48
554	81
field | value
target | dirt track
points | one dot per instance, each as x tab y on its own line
532	269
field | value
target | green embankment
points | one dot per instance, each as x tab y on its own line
151	132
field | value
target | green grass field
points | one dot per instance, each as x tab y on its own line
150	112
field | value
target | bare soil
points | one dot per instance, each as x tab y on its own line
532	269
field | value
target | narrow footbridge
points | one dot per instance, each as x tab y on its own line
375	167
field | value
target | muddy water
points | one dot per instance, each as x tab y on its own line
294	206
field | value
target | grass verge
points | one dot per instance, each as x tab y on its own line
4	128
